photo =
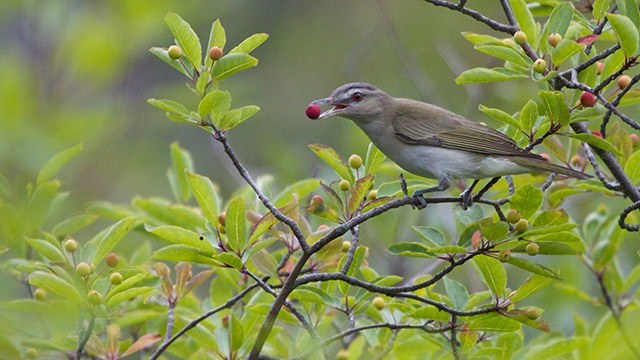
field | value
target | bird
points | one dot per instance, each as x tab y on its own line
432	142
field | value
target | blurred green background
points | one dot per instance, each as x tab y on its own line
76	71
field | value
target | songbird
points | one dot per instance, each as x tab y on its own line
432	142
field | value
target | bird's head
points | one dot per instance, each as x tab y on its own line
356	101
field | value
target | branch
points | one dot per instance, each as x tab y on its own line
495	25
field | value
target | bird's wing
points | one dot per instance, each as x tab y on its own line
424	124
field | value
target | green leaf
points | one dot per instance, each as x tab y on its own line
448	249
492	274
560	19
333	159
554	248
39	204
529	115
548	230
631	97
57	162
297	190
627	33
185	253
236	117
205	194
600	8
504	52
566	49
555	107
358	192
532	267
161	53
182	236
613	63
358	256
170	106
431	235
181	163
429	312
551	217
230	259
46	249
112	237
485	75
236	333
481	38
458	294
493	322
410	249
500	116
527	200
231	64
216	103
217	37
127	295
249	44
73	224
531	286
373	160
556	348
597	142
632	167
629	8
236	223
560	236
56	285
185	37
525	20
268	220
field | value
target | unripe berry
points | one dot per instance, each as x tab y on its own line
539	66
532	249
313	111
342	355
554	39
576	162
31	353
40	294
344	185
346	245
372	195
533	314
635	139
600	67
317	200
350	301
355	161
225	321
112	260
504	255
116	278
83	269
513	216
94	297
521	225
624	81
70	245
520	37
378	303
596	133
174	52
587	99
215	53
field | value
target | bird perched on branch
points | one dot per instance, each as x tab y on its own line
432	142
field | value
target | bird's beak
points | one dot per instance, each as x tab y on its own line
335	110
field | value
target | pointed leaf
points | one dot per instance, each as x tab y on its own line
162	54
205	194
217	37
46	249
566	49
458	294
484	75
170	106
333	159
560	19
231	64
236	117
410	249
555	107
492	274
596	141
186	38
358	192
182	236
529	115
432	235
56	285
533	267
527	200
216	103
236	223
178	253
57	162
181	163
373	160
533	284
112	237
504	52
627	33
250	43
525	20
500	116
143	342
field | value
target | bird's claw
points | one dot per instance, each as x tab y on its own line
422	202
466	200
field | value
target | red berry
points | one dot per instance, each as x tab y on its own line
313	111
587	99
596	133
635	140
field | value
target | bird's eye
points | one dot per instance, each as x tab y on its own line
356	96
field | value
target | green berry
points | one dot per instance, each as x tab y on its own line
504	255
520	37
70	245
355	161
554	39
94	297
83	269
521	225
513	216
539	66
346	245
112	260
174	52
116	278
372	195
532	249
344	185
342	355
40	294
215	53
533	314
378	303
31	353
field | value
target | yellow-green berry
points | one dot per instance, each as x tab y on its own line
116	278
520	37
521	225
70	245
378	303
624	81
346	245
539	66
355	161
533	314
344	185
532	249
372	195
40	294
554	39
112	260
94	297
342	355
83	269
31	353
504	255
513	216
174	52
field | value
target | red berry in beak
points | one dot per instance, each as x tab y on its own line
313	111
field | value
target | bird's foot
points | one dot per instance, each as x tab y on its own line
422	202
466	199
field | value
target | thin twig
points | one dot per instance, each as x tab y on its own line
495	25
86	334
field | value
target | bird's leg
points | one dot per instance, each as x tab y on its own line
466	197
442	185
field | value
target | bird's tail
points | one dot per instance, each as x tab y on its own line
542	165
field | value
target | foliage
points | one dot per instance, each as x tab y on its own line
289	267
